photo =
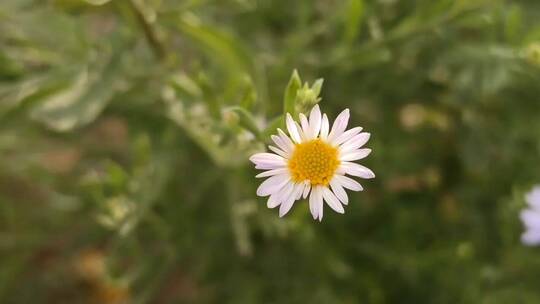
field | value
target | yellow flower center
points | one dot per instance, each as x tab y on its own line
315	161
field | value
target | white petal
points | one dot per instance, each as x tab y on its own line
279	142
273	202
349	183
265	157
270	163
305	124
306	190
530	218
354	143
315	122
299	193
355	155
277	198
293	131
267	161
273	184
288	202
316	202
340	124
324	127
312	209
300	132
356	170
332	200
279	152
531	237
286	141
270	166
345	136
272	172
533	198
339	191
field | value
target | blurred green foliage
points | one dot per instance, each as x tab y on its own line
125	127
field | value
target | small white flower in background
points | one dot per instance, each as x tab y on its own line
313	162
531	218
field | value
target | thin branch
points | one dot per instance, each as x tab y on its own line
149	32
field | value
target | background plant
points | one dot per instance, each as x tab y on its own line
125	128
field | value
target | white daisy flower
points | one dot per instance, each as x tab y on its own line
313	162
531	218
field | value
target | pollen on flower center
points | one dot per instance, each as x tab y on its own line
315	161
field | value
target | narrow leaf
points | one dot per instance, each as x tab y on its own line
290	92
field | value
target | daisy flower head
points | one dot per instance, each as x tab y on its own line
531	218
313	161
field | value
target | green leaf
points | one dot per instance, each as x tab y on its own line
16	96
9	68
250	95
222	48
317	86
514	24
353	21
39	44
97	2
82	101
295	83
186	86
247	121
